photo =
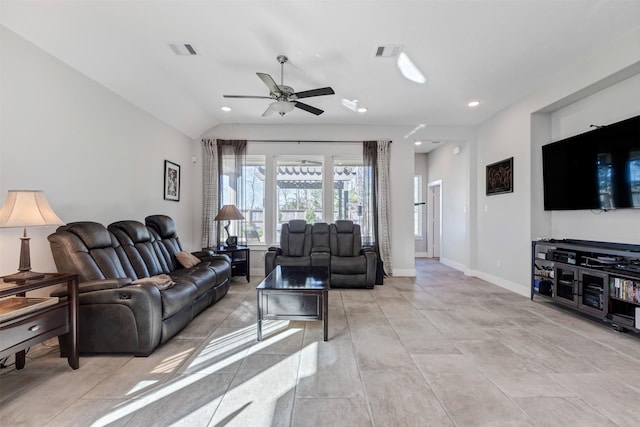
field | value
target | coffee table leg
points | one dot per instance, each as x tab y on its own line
259	316
325	314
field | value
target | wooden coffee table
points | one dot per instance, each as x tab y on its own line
294	293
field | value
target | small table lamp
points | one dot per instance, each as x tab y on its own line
26	208
227	213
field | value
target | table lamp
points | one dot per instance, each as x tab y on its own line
228	213
26	208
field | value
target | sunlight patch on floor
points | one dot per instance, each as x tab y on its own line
230	345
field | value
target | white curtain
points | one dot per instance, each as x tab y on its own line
210	193
384	205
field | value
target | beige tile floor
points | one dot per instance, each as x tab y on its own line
440	349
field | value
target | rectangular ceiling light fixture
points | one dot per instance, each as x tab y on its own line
182	49
389	51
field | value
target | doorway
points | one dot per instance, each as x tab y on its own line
434	219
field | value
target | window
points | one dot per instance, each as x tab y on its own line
418	205
317	182
253	206
299	186
347	189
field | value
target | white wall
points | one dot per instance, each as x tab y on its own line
613	104
453	170
506	224
502	221
96	156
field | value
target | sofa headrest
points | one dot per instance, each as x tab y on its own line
344	226
136	231
297	226
320	227
164	225
92	234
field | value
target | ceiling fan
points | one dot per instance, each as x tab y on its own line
285	99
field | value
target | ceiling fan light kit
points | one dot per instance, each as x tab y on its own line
284	97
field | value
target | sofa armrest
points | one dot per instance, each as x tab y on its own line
93	285
372	263
270	259
121	320
211	256
203	253
320	249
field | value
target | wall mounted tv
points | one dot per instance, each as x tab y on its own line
599	169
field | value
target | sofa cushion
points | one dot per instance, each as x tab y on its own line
178	297
89	249
163	229
295	238
303	261
186	259
348	265
201	276
141	248
320	235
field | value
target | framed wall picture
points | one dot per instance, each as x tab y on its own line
171	181
500	177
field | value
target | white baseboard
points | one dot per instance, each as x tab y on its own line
257	272
453	264
404	272
503	283
422	255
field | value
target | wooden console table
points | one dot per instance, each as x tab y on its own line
19	333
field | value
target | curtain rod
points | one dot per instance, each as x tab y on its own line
306	140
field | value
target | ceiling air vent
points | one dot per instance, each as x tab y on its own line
388	51
182	49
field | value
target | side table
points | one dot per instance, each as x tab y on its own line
19	333
240	259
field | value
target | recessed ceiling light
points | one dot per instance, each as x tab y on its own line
227	109
473	104
362	110
418	143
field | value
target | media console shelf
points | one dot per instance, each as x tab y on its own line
600	279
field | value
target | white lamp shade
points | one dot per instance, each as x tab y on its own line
27	208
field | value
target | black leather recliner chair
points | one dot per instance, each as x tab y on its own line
351	265
294	249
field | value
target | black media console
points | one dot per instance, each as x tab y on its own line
600	279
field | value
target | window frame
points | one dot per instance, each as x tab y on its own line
272	150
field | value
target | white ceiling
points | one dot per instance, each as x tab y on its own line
495	52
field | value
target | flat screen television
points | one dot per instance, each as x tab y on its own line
599	169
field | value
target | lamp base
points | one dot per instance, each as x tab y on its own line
23	276
231	242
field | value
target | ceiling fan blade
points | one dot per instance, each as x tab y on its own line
271	84
309	108
247	96
268	111
314	92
